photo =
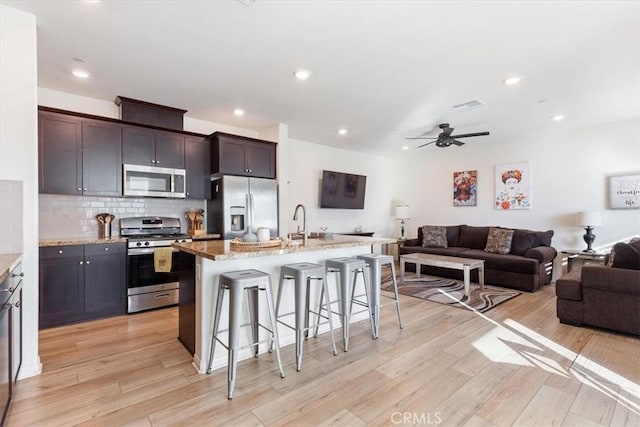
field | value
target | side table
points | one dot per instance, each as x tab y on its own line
577	258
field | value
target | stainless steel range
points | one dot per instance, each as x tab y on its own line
147	288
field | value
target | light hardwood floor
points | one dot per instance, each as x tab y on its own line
514	365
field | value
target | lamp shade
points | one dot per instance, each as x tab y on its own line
402	212
589	219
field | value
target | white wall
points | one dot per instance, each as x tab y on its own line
306	162
19	155
569	169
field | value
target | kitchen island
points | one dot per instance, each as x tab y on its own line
198	290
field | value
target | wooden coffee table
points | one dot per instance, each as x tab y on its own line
464	264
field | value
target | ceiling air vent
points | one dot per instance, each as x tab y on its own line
469	105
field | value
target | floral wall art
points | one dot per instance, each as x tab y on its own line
512	186
465	188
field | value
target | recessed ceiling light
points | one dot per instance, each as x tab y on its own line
342	131
80	74
302	74
238	112
557	117
405	147
512	80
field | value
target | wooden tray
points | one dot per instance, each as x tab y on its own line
239	245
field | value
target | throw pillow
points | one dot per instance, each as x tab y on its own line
434	236
499	240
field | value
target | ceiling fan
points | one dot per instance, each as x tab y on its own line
445	139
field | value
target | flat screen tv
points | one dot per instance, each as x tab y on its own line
342	190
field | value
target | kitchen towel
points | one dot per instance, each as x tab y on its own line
162	260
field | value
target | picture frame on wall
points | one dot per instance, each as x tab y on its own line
624	191
512	184
465	188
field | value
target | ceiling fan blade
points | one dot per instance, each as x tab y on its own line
447	131
421	137
456	142
420	146
467	135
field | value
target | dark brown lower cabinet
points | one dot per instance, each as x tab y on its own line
81	282
10	336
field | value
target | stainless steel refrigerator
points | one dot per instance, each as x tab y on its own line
238	203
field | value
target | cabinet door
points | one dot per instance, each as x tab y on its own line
197	164
61	286
232	157
5	364
60	153
16	332
104	284
261	159
138	146
169	150
101	158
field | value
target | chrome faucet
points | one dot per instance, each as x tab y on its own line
304	223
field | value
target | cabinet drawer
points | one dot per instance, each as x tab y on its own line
105	249
50	252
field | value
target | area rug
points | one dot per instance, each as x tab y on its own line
450	292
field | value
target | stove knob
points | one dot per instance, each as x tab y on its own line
138	244
146	243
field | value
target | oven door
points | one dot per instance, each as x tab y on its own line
146	288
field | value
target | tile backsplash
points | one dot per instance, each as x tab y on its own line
75	216
10	216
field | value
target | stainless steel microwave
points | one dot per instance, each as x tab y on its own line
151	181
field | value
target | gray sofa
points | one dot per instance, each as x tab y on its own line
527	266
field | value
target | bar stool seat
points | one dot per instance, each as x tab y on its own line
345	266
303	273
375	262
237	282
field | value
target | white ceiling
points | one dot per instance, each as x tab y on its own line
382	69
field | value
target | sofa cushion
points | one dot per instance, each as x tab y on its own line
626	255
569	286
499	240
511	263
434	236
522	241
543	238
473	237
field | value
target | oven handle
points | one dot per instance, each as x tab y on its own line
146	251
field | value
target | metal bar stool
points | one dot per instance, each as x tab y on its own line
345	267
237	282
302	274
375	263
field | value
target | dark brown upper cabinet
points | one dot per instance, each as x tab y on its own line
198	166
239	155
79	156
150	147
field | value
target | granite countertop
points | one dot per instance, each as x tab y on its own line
220	250
7	263
206	237
79	241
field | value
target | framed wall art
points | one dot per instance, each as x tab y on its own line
624	191
512	186
465	188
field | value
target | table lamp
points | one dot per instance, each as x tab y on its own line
402	213
588	220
